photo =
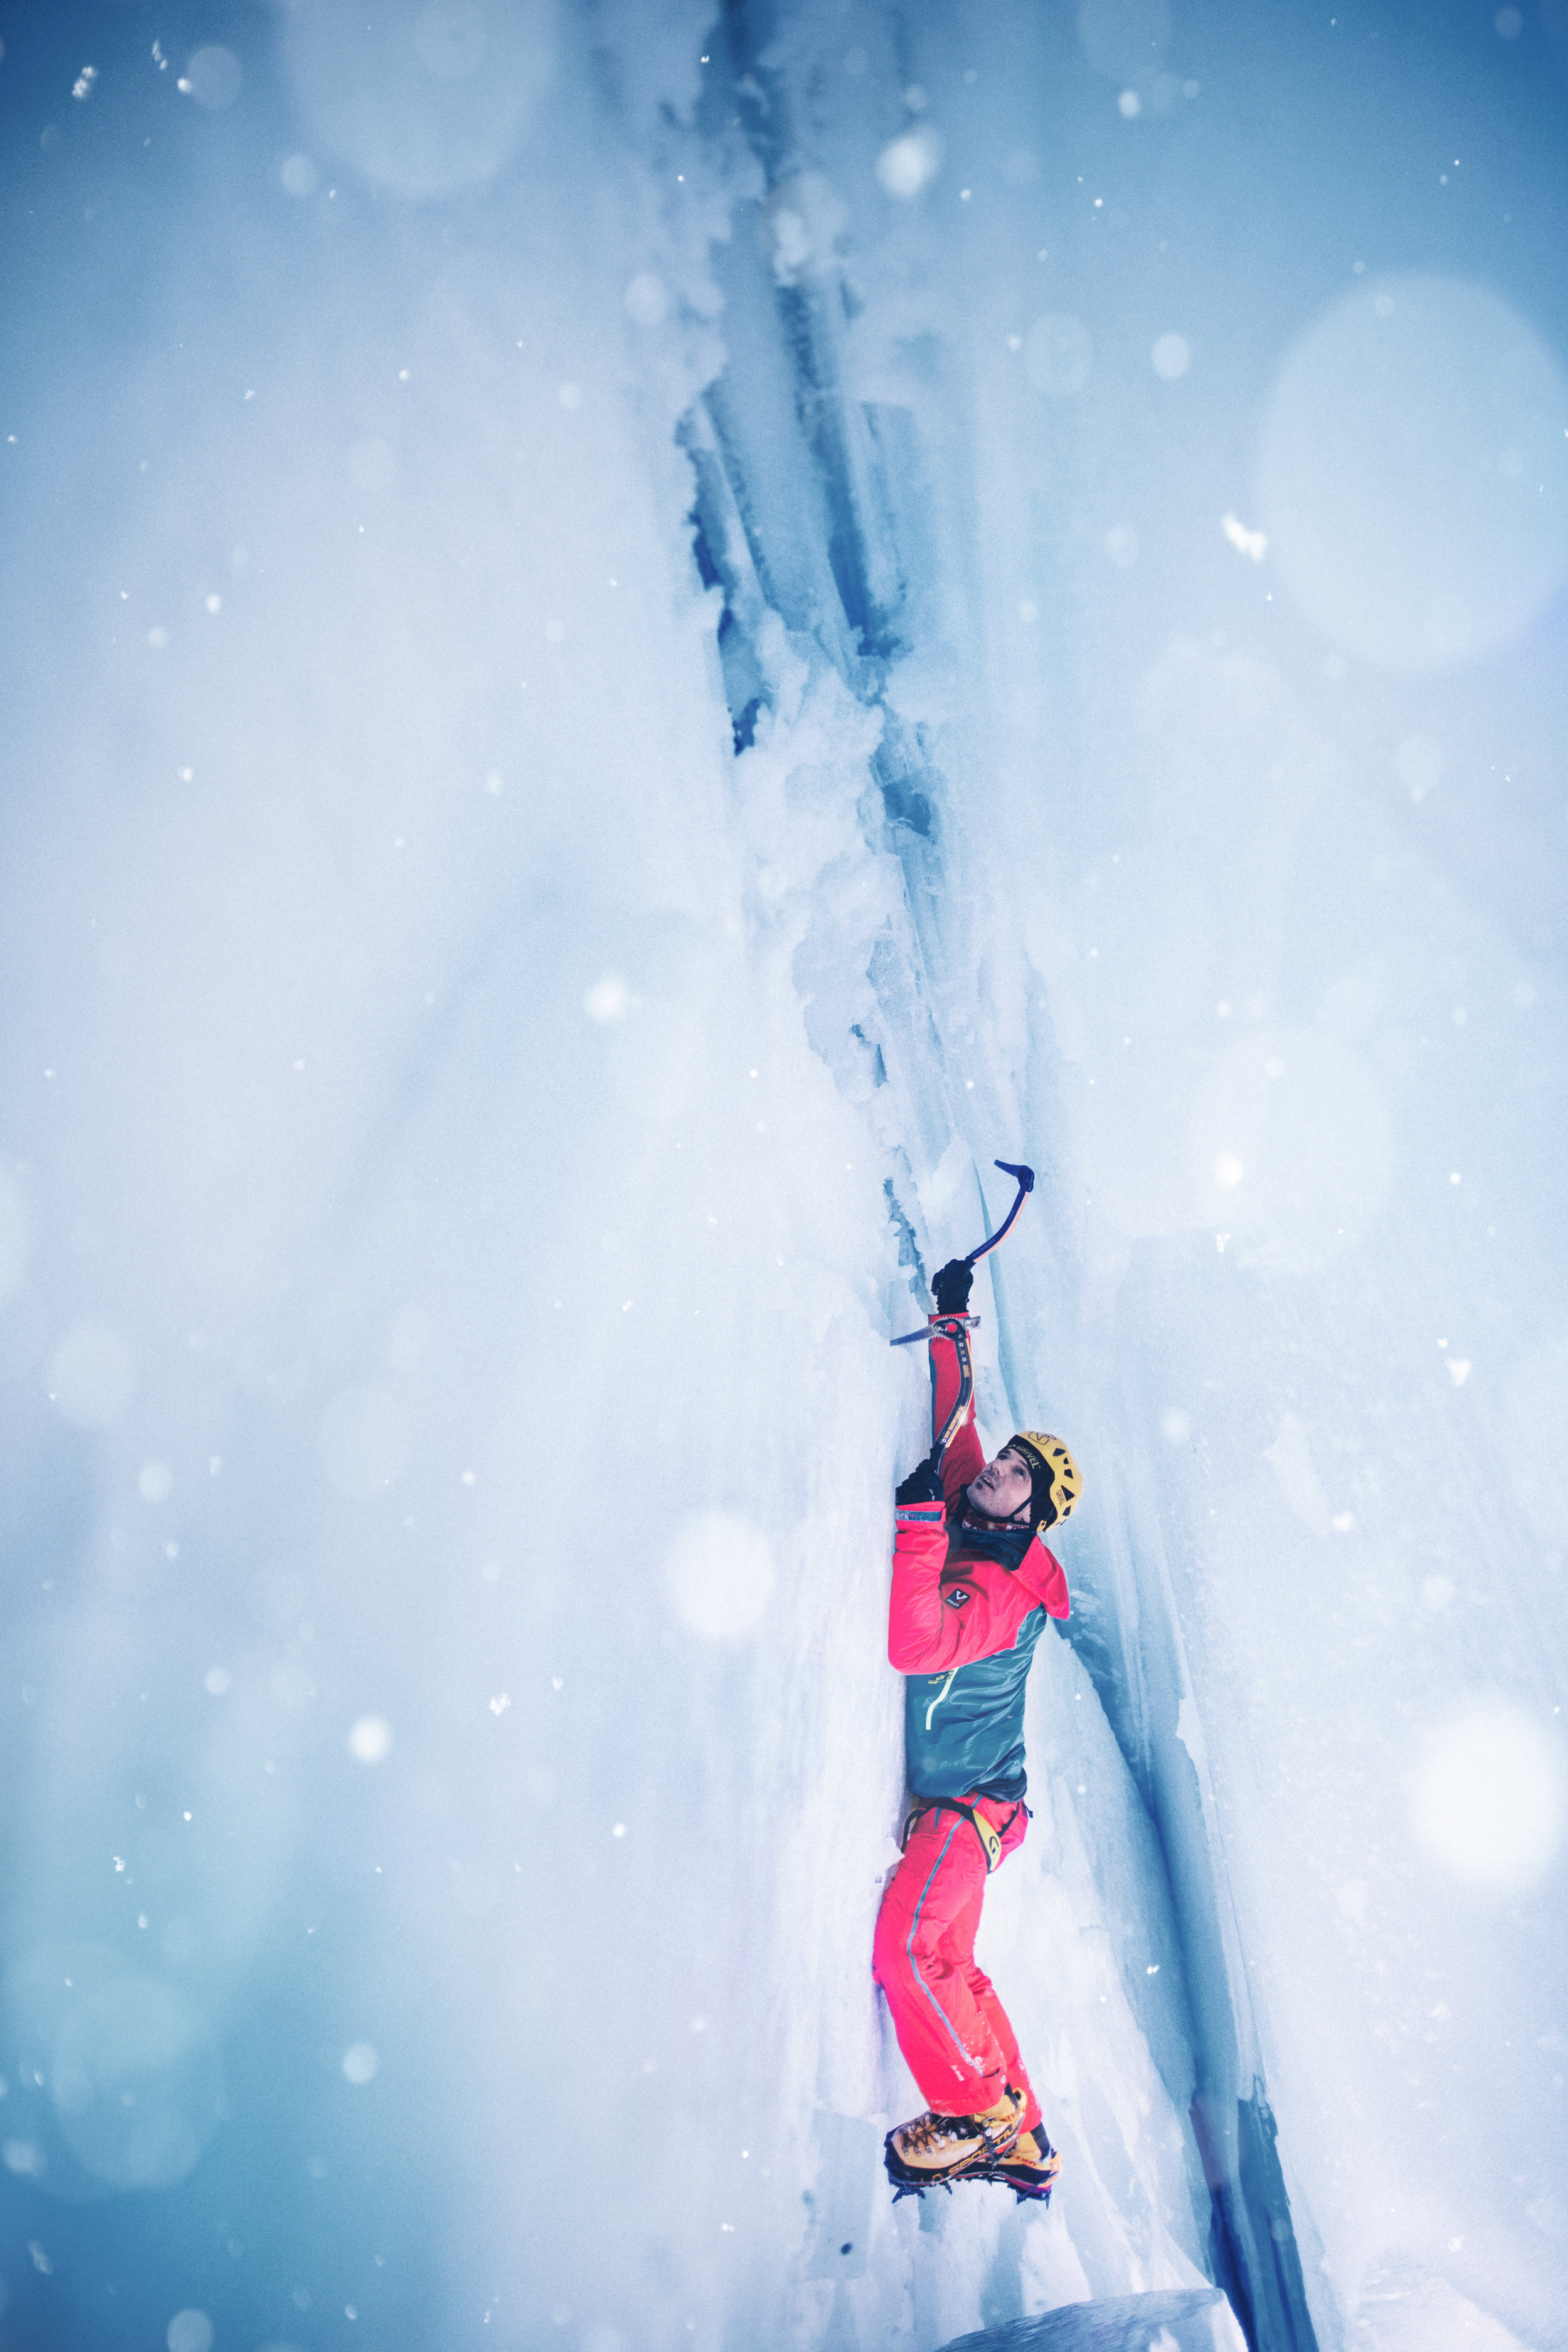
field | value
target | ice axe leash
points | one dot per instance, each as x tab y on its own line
957	1327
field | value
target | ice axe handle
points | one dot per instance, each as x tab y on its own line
1025	1180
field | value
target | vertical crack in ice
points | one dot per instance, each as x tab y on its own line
809	516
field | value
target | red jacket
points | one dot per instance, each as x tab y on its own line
969	1603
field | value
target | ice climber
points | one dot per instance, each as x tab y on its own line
972	1586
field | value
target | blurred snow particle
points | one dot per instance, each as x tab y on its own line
500	1704
1057	354
1488	1795
157	639
217	1681
1123	39
803	226
907	165
363	1441
213	77
214	604
298	175
1245	541
555	632
12	1234
719	1571
137	2083
440	101
1437	1591
83	86
21	2156
1029	611
608	998
570	396
1129	105
1228	1172
372	465
190	2331
1121	546
1175	1426
1459	1369
646	300
1171	356
1509	22
154	1483
1388	471
361	2063
494	783
90	1376
1418	764
369	1741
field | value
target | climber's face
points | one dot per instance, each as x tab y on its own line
1003	1487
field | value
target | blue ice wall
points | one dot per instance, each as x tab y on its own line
635	637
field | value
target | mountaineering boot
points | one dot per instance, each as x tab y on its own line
935	2148
1029	2168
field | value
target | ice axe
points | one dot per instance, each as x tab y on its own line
957	1327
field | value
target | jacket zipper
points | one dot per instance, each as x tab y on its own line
940	1696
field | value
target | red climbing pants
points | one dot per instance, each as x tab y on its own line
952	2029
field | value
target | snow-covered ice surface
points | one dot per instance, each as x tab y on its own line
634	638
1184	2320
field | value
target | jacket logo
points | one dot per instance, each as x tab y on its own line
956	1598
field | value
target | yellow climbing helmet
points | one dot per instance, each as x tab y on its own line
1057	1485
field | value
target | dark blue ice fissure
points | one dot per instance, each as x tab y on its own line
811	509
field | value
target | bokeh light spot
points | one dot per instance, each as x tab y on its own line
720	1570
190	2331
907	165
1414	472
437	97
135	2082
1488	1798
369	1741
213	77
608	998
298	175
361	2063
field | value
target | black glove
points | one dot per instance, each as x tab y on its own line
951	1286
923	1484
